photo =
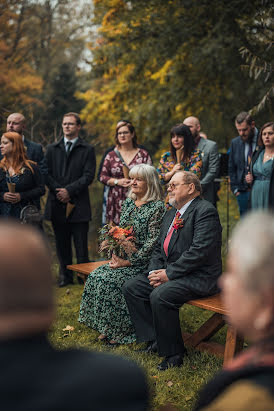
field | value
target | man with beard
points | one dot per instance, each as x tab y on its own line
184	265
241	151
210	158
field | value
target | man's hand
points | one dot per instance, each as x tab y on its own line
12	197
158	277
62	195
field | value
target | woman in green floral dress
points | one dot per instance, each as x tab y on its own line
103	307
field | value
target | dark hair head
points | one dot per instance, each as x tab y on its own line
75	115
244	116
260	139
182	130
131	129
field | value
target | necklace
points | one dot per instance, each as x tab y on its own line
269	156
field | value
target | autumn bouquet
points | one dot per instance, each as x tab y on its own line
117	240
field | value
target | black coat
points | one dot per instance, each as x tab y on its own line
30	186
35	376
75	172
194	251
271	186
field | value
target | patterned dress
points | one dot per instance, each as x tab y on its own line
103	306
113	168
167	163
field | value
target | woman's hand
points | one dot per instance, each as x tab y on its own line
171	173
124	182
12	197
249	178
117	262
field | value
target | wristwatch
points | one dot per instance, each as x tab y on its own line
115	182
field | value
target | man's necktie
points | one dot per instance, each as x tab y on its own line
168	237
68	147
249	155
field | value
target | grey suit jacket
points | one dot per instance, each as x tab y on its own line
210	167
194	252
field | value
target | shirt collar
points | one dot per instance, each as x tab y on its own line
185	207
66	140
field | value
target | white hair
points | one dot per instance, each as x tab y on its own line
252	244
150	175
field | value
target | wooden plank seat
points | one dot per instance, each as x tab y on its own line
199	339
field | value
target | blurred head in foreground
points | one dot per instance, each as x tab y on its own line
26	296
248	284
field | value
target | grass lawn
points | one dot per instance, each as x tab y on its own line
178	387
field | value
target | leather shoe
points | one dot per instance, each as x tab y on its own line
172	361
64	283
150	348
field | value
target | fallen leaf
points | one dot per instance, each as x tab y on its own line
155	376
188	398
170	383
68	328
68	291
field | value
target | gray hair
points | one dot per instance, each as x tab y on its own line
252	244
150	175
191	178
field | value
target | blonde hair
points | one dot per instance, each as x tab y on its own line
150	175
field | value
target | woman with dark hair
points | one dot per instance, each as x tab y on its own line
116	167
261	175
20	179
182	155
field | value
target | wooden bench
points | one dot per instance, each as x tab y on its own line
199	339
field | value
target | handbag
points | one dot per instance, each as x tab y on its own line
30	215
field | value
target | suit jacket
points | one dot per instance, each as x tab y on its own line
75	172
237	165
210	167
194	252
35	376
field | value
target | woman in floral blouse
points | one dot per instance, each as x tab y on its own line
125	155
182	155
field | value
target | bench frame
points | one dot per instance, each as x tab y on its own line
199	339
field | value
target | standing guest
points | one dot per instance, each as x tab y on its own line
35	375
240	154
103	307
125	155
16	122
247	382
20	179
182	155
185	264
210	157
261	175
71	169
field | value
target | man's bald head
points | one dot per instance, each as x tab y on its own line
26	297
194	124
16	122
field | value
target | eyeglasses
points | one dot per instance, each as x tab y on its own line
123	133
172	186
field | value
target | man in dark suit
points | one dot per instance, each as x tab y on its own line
210	159
71	168
16	122
240	153
185	265
34	375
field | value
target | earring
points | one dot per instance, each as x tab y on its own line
259	323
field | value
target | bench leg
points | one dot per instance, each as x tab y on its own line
207	330
234	343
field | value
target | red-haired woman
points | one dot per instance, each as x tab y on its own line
20	179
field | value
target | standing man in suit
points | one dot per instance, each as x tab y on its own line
240	154
210	158
185	265
16	122
34	375
71	169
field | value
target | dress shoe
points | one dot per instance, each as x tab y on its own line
172	361
150	348
64	283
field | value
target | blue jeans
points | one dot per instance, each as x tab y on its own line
243	199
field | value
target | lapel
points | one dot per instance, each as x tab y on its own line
186	215
242	152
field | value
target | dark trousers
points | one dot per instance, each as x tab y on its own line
63	238
155	312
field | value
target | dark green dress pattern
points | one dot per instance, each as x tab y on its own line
103	306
